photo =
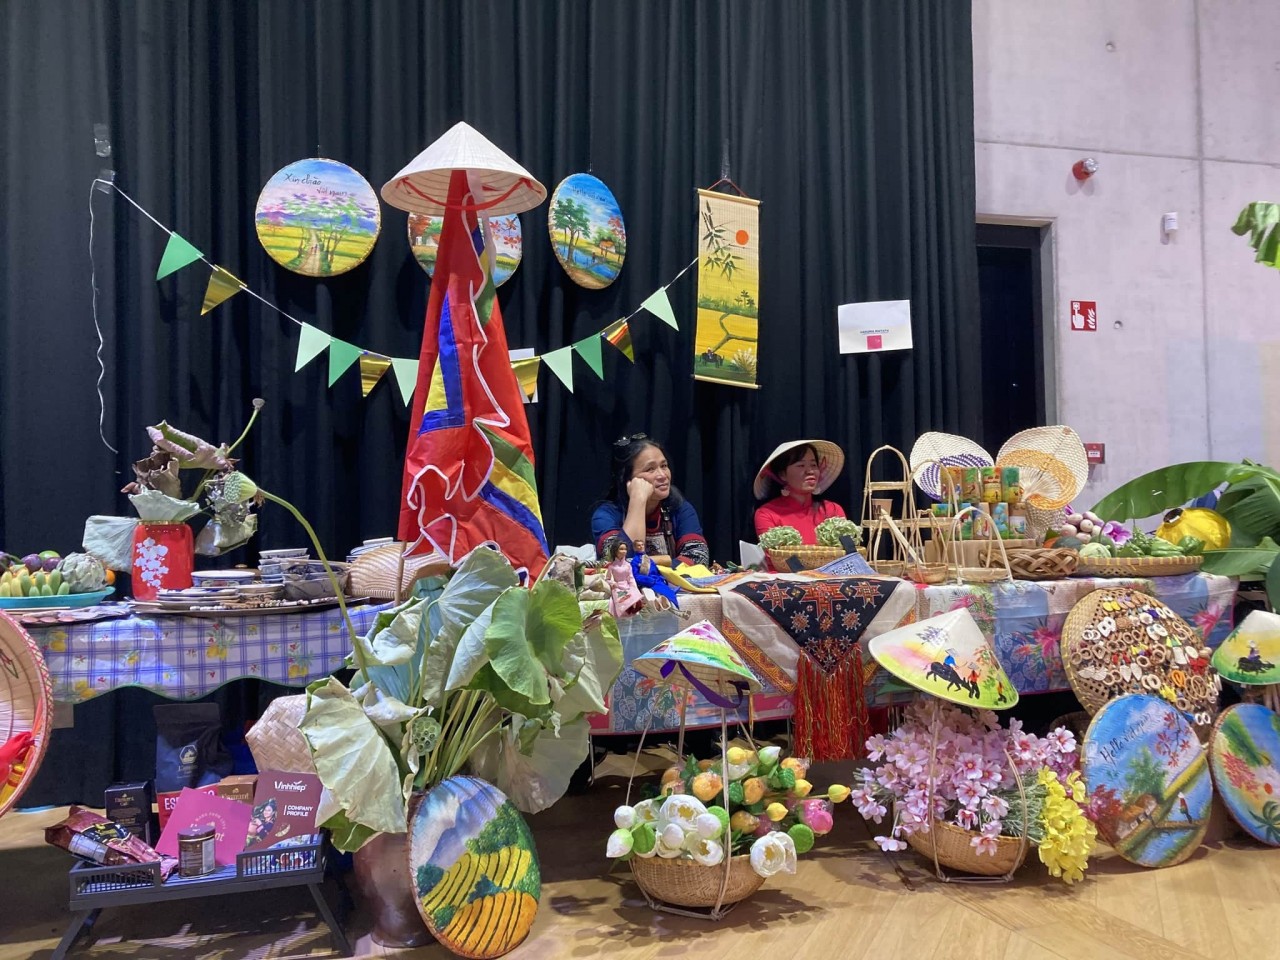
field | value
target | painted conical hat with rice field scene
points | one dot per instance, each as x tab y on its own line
1052	463
698	653
949	657
948	449
1251	652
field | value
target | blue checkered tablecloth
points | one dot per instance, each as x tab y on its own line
185	657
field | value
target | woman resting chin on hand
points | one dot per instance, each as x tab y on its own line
643	508
792	482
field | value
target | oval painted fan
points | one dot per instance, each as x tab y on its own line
934	448
1052	462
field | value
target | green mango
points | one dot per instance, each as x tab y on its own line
45	591
64	590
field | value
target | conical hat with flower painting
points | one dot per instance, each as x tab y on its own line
946	656
1251	652
701	658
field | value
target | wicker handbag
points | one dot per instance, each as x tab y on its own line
875	519
916	568
988	572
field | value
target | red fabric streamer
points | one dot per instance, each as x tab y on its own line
831	720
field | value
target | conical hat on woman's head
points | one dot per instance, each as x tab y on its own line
830	464
946	656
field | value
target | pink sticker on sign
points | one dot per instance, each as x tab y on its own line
875	342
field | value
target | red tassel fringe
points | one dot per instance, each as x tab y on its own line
831	721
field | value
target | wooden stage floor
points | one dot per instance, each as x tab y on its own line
847	901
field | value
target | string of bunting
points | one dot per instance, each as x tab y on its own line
312	341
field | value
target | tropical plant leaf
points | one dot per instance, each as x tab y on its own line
190	451
1261	220
353	758
593	661
536	780
480	579
471	653
345	835
393	640
554	618
1239	561
389	713
510	653
1273	584
1254	505
1164	489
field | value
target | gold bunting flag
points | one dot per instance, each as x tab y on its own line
372	367
527	373
618	333
222	286
728	289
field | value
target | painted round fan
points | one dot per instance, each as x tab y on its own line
1052	462
934	448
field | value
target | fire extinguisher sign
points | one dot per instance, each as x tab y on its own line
1084	316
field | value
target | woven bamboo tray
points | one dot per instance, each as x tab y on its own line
1138	566
1043	564
687	883
809	557
956	852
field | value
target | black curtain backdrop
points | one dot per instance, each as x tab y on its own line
851	120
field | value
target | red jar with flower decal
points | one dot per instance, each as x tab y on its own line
163	558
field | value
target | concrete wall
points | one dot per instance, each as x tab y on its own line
1178	101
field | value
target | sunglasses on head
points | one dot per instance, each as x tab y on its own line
627	441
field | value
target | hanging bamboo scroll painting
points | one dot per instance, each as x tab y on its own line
587	232
728	289
1244	753
1149	783
318	218
474	867
508	243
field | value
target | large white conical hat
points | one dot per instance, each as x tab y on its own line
947	656
503	185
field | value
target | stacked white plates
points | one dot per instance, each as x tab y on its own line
271	562
367	546
222	578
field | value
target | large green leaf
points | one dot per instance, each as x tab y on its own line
593	661
1261	220
510	653
480	579
487	680
471	653
389	713
393	639
1164	489
1240	561
353	758
1252	505
345	835
536	780
553	620
1273	584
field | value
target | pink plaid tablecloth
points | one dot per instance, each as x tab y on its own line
185	657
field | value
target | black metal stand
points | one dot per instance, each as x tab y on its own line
95	888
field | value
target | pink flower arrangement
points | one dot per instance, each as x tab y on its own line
971	782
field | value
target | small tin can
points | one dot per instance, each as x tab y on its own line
1017	524
942	509
990	485
1011	484
966	525
971	485
952	482
1000	513
195	852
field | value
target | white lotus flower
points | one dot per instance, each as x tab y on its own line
769	757
624	818
667	852
772	853
619	844
646	811
708	825
672	836
706	852
682	809
736	771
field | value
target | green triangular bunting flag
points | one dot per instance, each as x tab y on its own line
341	356
311	343
589	350
177	254
660	306
561	364
406	372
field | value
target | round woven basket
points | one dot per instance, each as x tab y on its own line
1043	564
956	852
809	557
26	703
687	883
1138	566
